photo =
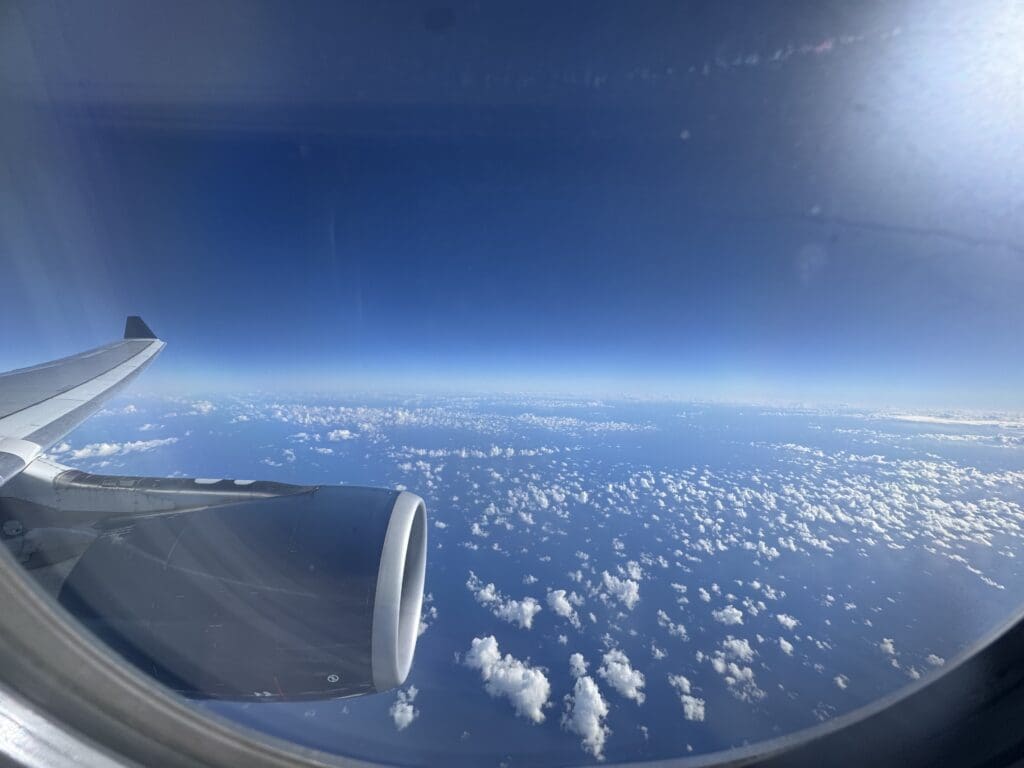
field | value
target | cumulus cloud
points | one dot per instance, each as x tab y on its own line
887	646
787	621
127	410
621	676
736	648
674	629
577	665
786	646
429	613
337	435
574	426
729	615
402	711
626	591
562	603
693	707
586	709
526	687
739	678
519	612
106	450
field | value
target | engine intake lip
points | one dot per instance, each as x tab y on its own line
399	596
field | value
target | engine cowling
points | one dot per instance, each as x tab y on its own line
313	594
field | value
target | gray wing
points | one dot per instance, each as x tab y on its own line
218	589
41	404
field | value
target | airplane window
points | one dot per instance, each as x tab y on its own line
544	384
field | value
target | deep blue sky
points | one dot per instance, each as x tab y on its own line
815	201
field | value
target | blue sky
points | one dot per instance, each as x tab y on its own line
811	204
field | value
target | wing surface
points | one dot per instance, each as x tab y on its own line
41	404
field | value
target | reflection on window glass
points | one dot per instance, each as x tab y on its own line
695	327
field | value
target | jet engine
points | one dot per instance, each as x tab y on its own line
230	589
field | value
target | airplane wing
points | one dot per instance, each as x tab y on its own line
228	589
41	404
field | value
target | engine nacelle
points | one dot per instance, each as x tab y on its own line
308	594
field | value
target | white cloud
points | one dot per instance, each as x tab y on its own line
402	711
577	665
787	621
729	615
887	646
562	605
739	679
526	687
841	681
202	408
519	612
337	435
632	570
626	591
104	450
676	630
786	646
585	712
429	613
621	676
693	707
576	426
737	648
935	661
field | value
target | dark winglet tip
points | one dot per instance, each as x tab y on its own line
135	328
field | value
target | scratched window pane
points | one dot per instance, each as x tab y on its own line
695	327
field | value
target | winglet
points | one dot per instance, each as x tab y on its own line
136	328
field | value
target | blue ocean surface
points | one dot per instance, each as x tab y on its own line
628	580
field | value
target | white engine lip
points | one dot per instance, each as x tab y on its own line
396	621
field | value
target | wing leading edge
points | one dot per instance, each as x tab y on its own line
41	404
